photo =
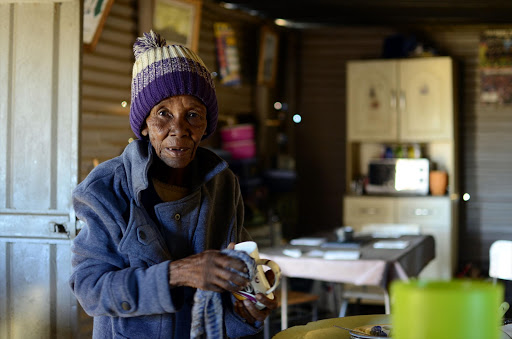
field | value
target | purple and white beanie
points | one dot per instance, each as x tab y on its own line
162	71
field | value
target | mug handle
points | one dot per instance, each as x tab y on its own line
275	268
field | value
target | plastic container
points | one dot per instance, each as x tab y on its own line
237	133
438	182
240	149
457	309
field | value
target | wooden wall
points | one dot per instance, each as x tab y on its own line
485	133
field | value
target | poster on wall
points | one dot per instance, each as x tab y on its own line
178	21
95	14
267	63
495	67
227	54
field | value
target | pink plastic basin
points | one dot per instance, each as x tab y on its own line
240	149
237	133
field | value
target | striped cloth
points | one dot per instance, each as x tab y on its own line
207	312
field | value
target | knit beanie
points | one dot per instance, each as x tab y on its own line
162	71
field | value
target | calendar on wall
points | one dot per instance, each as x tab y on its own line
495	67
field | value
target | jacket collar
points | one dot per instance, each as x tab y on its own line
138	157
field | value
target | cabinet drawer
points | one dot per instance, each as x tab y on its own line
368	210
426	211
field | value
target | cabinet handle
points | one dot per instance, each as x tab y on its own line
370	210
392	101
402	100
422	211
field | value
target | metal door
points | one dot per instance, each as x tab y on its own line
39	123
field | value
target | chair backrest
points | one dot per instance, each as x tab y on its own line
500	260
390	230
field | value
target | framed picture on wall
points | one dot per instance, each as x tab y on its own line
267	64
95	14
178	21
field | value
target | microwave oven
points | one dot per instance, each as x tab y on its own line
398	176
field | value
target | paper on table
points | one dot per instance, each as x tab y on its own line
391	244
308	241
315	253
292	252
342	255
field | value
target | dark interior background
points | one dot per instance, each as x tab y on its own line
311	80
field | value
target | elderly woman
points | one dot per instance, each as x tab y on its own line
157	216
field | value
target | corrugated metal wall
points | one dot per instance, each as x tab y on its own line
106	79
320	137
485	133
486	159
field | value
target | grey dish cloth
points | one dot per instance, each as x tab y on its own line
207	312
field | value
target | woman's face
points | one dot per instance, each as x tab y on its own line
175	127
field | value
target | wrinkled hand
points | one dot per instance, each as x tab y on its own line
208	271
248	310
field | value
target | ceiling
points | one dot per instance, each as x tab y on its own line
380	12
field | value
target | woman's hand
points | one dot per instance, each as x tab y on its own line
248	310
208	271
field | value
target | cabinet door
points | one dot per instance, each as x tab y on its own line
441	267
367	210
372	100
426	99
433	214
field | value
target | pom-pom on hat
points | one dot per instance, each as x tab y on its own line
161	71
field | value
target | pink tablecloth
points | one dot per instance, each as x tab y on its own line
374	267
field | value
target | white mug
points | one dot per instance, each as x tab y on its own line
259	284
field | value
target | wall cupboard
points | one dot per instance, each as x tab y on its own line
400	100
404	102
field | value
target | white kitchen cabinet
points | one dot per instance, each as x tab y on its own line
405	100
432	214
361	210
371	100
398	103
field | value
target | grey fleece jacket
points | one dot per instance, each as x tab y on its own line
120	258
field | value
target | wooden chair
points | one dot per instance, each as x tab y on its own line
294	298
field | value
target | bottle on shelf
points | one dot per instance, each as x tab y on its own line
388	153
400	151
417	151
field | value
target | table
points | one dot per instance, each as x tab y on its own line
375	266
326	328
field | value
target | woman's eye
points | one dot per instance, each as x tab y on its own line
194	114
